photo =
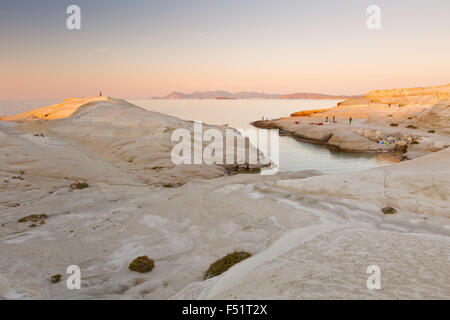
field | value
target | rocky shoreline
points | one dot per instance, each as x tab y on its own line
396	130
97	189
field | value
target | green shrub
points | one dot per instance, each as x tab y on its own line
142	264
431	131
411	126
222	265
79	185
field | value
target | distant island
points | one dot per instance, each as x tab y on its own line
225	95
303	95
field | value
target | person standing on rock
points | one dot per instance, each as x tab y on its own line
350	121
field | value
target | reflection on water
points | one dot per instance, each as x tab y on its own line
294	155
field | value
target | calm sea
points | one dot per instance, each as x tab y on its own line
294	155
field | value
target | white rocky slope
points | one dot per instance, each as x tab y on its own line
328	258
310	238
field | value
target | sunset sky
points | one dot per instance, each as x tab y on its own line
141	49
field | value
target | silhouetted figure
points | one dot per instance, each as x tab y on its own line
326	119
350	120
334	119
100	93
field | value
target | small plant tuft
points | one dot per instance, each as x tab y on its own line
142	264
411	126
34	218
394	124
222	265
389	210
431	131
55	278
79	185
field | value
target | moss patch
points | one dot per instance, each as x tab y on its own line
34	218
142	264
55	278
79	185
222	265
389	210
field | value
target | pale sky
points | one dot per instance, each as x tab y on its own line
142	48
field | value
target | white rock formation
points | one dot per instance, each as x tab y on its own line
437	117
311	236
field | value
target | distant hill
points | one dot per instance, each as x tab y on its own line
220	94
302	95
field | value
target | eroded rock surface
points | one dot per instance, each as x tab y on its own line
310	235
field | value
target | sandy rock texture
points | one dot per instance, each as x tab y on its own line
436	118
423	96
415	129
96	190
328	258
128	135
56	111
